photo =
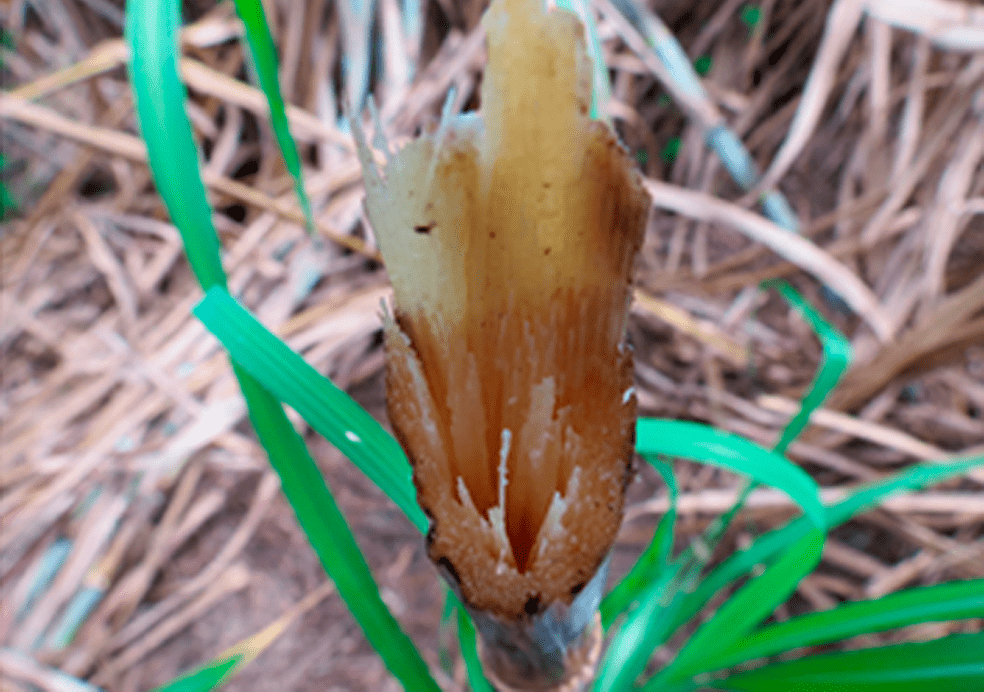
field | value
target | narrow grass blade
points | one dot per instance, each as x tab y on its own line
766	547
733	453
331	538
469	652
836	358
650	566
7	204
653	562
647	626
951	663
204	678
328	409
745	610
151	31
939	603
264	54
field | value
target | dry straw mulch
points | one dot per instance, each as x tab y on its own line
124	448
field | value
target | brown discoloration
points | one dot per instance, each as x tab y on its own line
508	337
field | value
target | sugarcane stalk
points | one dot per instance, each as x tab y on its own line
509	236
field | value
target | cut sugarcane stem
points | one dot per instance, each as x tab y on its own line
509	236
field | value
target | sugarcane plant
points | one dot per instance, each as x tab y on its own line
509	236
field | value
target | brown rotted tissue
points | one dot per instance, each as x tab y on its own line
509	236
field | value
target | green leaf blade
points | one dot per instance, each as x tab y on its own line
469	652
951	663
939	603
733	453
332	540
837	355
204	678
328	409
745	610
152	28
767	546
151	32
647	626
650	566
653	562
264	54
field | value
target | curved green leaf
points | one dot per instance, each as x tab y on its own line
767	546
939	603
327	408
332	540
264	54
204	678
951	663
733	453
152	28
836	358
653	562
650	566
741	613
645	628
469	652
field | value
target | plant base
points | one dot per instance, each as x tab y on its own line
555	649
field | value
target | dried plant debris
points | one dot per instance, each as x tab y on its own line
133	496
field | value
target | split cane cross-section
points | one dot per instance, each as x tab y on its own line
509	236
